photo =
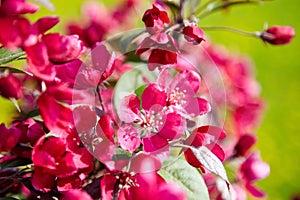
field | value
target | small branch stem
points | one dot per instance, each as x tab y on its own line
99	97
181	11
116	191
230	29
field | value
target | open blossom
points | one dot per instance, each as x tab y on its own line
57	160
157	126
155	18
278	35
182	93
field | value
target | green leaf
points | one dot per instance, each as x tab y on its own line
139	91
16	163
14	70
127	40
123	42
7	56
187	177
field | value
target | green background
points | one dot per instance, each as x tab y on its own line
277	70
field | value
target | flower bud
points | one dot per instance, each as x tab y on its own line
193	33
278	35
155	18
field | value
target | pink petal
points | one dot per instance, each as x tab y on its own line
128	138
129	109
154	97
217	150
217	132
45	23
42	181
196	106
255	191
186	80
154	143
144	163
173	127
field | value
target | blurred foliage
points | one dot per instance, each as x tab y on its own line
277	69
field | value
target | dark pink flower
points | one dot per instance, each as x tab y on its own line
252	170
155	18
204	136
278	35
62	48
9	137
61	161
194	34
10	86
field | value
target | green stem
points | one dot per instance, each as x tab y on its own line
230	29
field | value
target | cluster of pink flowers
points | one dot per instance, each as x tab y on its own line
81	134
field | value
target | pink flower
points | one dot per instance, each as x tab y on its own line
155	18
204	136
9	137
51	160
60	161
278	35
182	93
194	34
156	126
62	48
10	86
252	170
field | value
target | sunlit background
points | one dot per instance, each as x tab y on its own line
277	70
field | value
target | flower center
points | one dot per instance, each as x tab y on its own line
177	97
